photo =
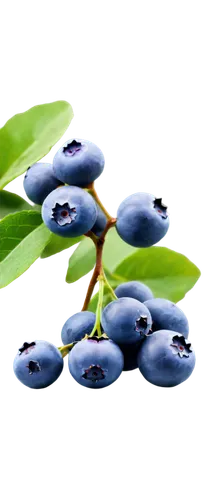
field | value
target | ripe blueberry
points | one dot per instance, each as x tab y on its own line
100	222
77	326
130	353
167	316
78	162
69	211
95	362
38	364
134	289
142	220
166	358
39	181
126	320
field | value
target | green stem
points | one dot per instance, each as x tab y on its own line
65	349
97	326
110	289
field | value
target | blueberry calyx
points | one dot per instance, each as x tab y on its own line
63	214
25	347
34	367
160	208
94	373
141	324
180	346
72	148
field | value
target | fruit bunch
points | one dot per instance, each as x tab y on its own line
134	330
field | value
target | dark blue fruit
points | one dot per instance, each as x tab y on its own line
95	362
134	289
77	326
130	353
100	222
38	364
142	220
167	316
39	181
69	211
166	358
78	163
126	320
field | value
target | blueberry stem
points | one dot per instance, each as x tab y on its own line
98	270
65	349
97	326
108	286
92	191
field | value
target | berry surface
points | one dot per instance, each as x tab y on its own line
142	220
77	326
166	358
69	211
78	163
38	364
126	320
167	316
40	181
135	290
95	363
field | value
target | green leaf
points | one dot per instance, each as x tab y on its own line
115	250
11	203
23	237
57	244
29	136
82	260
169	274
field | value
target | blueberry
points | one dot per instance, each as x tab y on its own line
167	316
38	364
78	162
95	362
69	211
142	220
130	353
166	358
134	289
77	326
39	181
126	320
100	222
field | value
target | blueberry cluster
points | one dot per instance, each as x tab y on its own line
68	209
135	330
147	334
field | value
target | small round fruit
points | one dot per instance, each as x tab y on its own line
38	364
69	211
166	358
167	316
77	326
142	220
130	353
134	289
39	181
100	222
126	320
95	362
78	162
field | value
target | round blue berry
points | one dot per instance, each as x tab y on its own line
78	162
134	289
77	326
167	316
100	222
142	220
126	320
166	358
38	364
130	353
69	211
39	181
95	362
